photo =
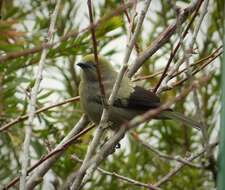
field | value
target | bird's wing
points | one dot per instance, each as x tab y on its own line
139	99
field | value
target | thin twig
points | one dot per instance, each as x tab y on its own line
195	95
163	155
105	114
162	39
32	103
99	131
138	78
127	179
177	83
121	177
95	48
173	52
213	55
24	117
109	146
181	165
152	112
131	26
74	33
181	81
48	160
195	64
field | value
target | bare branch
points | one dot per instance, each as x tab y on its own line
173	52
66	142
32	104
129	180
99	131
181	165
74	33
105	114
47	161
208	59
195	71
107	149
24	117
120	177
109	146
163	155
173	72
95	48
195	95
131	25
163	38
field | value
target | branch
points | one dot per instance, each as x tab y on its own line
175	84
181	165
195	95
210	58
172	74
74	33
105	114
47	161
204	129
129	180
95	47
163	38
24	117
67	141
163	155
116	175
109	146
131	25
32	103
107	149
99	131
173	52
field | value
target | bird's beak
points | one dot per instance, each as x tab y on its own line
84	65
81	64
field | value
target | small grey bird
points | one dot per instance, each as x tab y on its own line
131	100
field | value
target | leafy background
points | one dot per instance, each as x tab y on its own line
24	24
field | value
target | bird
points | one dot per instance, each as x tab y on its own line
131	100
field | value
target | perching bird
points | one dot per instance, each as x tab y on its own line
130	101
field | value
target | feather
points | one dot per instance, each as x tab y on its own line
181	118
139	99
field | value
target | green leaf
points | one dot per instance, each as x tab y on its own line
109	25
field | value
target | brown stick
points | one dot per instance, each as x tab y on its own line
162	38
23	117
73	33
95	47
173	52
49	155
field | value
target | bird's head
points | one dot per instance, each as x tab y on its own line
89	71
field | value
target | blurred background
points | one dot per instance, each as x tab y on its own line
24	25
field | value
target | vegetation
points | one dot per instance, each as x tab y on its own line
148	152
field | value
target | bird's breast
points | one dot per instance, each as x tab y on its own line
88	95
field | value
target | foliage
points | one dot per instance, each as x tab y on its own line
25	25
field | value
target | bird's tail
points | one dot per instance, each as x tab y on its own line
181	118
